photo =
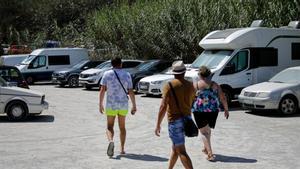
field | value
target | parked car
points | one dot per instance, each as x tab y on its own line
18	103
18	49
147	68
92	77
153	85
281	92
69	76
13	76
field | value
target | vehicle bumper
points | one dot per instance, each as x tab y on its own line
257	103
38	108
59	80
91	81
148	88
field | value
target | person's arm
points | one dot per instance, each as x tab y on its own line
132	98
223	101
161	114
101	98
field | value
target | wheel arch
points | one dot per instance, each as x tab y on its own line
16	100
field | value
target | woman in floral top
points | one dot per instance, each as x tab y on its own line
206	107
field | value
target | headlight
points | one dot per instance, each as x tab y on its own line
156	82
262	94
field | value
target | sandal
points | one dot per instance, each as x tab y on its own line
210	157
110	149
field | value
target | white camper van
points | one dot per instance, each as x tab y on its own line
12	60
41	63
244	56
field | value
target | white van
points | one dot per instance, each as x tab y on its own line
41	63
244	56
12	60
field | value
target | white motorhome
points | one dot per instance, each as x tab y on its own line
12	60
244	56
41	63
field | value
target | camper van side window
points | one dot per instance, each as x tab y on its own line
237	64
261	57
59	60
295	51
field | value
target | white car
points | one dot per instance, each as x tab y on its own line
281	92
153	85
92	77
18	103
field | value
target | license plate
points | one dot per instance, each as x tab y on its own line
248	101
143	87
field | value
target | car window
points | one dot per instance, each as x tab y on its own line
163	65
39	61
130	64
238	63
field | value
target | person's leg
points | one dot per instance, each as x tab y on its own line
206	137
121	120
184	157
173	158
110	128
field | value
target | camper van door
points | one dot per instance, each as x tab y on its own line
236	72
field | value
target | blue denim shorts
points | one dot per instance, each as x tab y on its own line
176	132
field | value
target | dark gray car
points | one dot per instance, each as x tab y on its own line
70	76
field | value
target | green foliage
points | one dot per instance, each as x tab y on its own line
144	29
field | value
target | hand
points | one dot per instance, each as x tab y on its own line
226	114
101	109
157	131
133	110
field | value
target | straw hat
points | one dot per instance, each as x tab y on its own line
178	67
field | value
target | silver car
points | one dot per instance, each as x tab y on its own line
281	92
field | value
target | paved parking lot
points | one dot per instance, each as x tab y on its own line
71	134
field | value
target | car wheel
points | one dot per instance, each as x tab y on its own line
17	111
29	80
288	105
73	81
88	87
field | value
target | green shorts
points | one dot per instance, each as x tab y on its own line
110	112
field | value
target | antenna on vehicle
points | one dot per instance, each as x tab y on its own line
257	23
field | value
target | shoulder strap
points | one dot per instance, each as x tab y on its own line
173	92
120	81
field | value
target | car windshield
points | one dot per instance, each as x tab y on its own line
146	65
80	64
103	65
28	59
2	82
211	58
287	76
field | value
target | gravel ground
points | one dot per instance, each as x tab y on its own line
71	135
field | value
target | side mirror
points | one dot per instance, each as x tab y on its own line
229	69
30	66
85	67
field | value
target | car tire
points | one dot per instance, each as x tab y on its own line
88	87
73	81
29	80
288	105
17	111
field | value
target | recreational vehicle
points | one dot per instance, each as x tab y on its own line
244	56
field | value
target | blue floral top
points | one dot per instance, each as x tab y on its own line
206	100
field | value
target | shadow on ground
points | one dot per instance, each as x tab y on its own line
31	119
271	113
141	157
232	159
